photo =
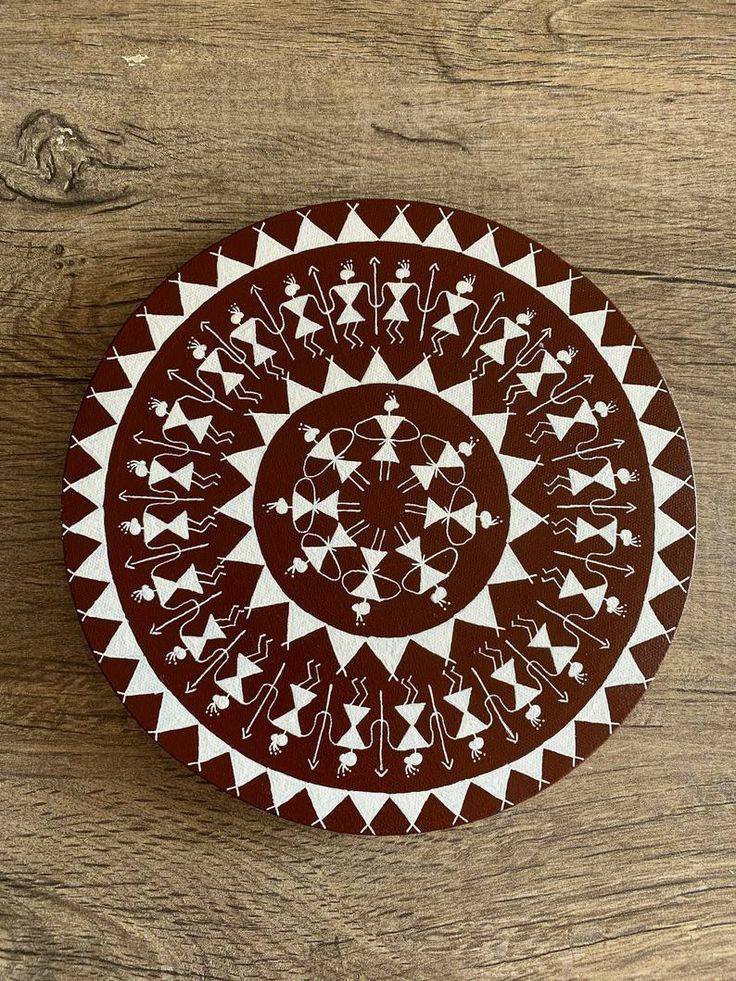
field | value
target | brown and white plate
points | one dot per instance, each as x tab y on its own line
379	516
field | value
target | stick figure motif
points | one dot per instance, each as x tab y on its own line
388	429
457	303
351	741
529	382
411	711
151	526
494	351
560	426
470	726
246	332
210	362
185	476
398	294
289	723
232	685
575	481
346	294
561	655
460	518
443	460
582	531
200	427
569	586
427	572
295	307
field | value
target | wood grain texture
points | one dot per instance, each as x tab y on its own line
603	128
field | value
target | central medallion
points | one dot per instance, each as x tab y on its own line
381	510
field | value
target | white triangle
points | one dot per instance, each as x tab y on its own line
531	766
355	229
92	526
115	403
400	230
564	742
411	805
244	770
618	357
378	372
442	235
299	395
485	248
597	710
193	295
311	236
337	379
509	569
437	639
98	445
665	485
559	293
228	269
667	530
493	425
247	550
495	783
267	592
247	462
389	651
521	520
210	746
300	624
269	423
640	397
92	487
144	681
161	327
453	796
325	799
283	788
268	249
421	377
625	672
524	268
461	396
172	715
240	507
661	578
516	469
95	566
106	606
593	323
655	439
134	364
345	645
368	804
123	645
479	611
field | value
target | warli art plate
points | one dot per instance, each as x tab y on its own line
379	516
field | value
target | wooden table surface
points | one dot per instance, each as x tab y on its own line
603	128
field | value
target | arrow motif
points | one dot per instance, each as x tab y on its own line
615	445
256	291
481	328
447	760
375	262
157	628
315	756
271	687
574	627
380	770
173	373
313	271
425	310
511	736
557	400
130	564
235	355
182	447
525	354
628	508
169	497
628	570
220	657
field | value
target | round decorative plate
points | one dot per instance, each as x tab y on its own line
379	516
